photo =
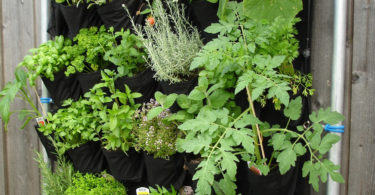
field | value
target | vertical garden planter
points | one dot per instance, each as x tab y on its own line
125	167
77	17
88	158
88	80
178	88
165	172
62	88
113	14
143	83
57	25
47	144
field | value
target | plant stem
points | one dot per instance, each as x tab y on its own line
257	139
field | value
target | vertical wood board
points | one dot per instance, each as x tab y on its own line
2	143
18	37
362	137
321	59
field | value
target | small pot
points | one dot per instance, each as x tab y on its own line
88	158
77	17
142	83
128	168
62	87
165	172
47	144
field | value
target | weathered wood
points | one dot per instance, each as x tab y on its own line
18	37
362	136
2	143
321	58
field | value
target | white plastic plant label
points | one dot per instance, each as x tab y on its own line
40	121
142	191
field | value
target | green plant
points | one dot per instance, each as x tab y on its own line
90	184
129	56
116	122
49	58
96	2
162	191
70	2
58	180
171	43
18	88
73	125
156	136
244	58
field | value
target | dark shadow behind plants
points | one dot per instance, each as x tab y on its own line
156	138
255	57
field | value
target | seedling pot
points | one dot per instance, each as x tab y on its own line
125	167
165	172
142	83
88	158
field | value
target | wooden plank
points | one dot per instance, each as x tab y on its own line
2	141
321	58
18	38
362	138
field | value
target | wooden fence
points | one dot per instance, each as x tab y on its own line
20	21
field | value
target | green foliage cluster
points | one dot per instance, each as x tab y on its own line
251	56
70	2
172	42
96	47
57	181
49	58
162	191
90	184
18	88
105	114
156	136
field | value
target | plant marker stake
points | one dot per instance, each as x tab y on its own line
142	191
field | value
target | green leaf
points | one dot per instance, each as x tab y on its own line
294	109
286	159
219	98
280	92
326	116
197	94
228	163
246	120
327	142
277	141
243	81
245	138
276	61
227	185
194	145
154	112
315	141
299	149
169	101
271	9
215	28
183	101
160	97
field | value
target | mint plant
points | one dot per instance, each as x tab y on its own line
116	122
244	58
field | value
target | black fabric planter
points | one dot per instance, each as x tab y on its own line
178	88
272	184
79	17
142	83
202	14
88	158
47	143
128	168
165	172
88	80
57	25
192	162
62	88
113	14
